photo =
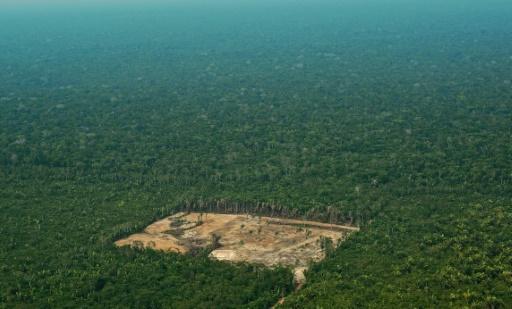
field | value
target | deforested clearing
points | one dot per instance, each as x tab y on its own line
243	238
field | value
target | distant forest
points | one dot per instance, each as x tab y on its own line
406	134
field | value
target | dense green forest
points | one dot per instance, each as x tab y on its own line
406	133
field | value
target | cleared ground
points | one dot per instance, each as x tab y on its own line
264	240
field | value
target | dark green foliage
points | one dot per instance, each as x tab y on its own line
399	125
438	253
58	253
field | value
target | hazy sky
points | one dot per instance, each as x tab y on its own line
71	3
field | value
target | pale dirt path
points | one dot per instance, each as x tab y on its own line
315	224
300	280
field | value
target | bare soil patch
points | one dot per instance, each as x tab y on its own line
243	238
